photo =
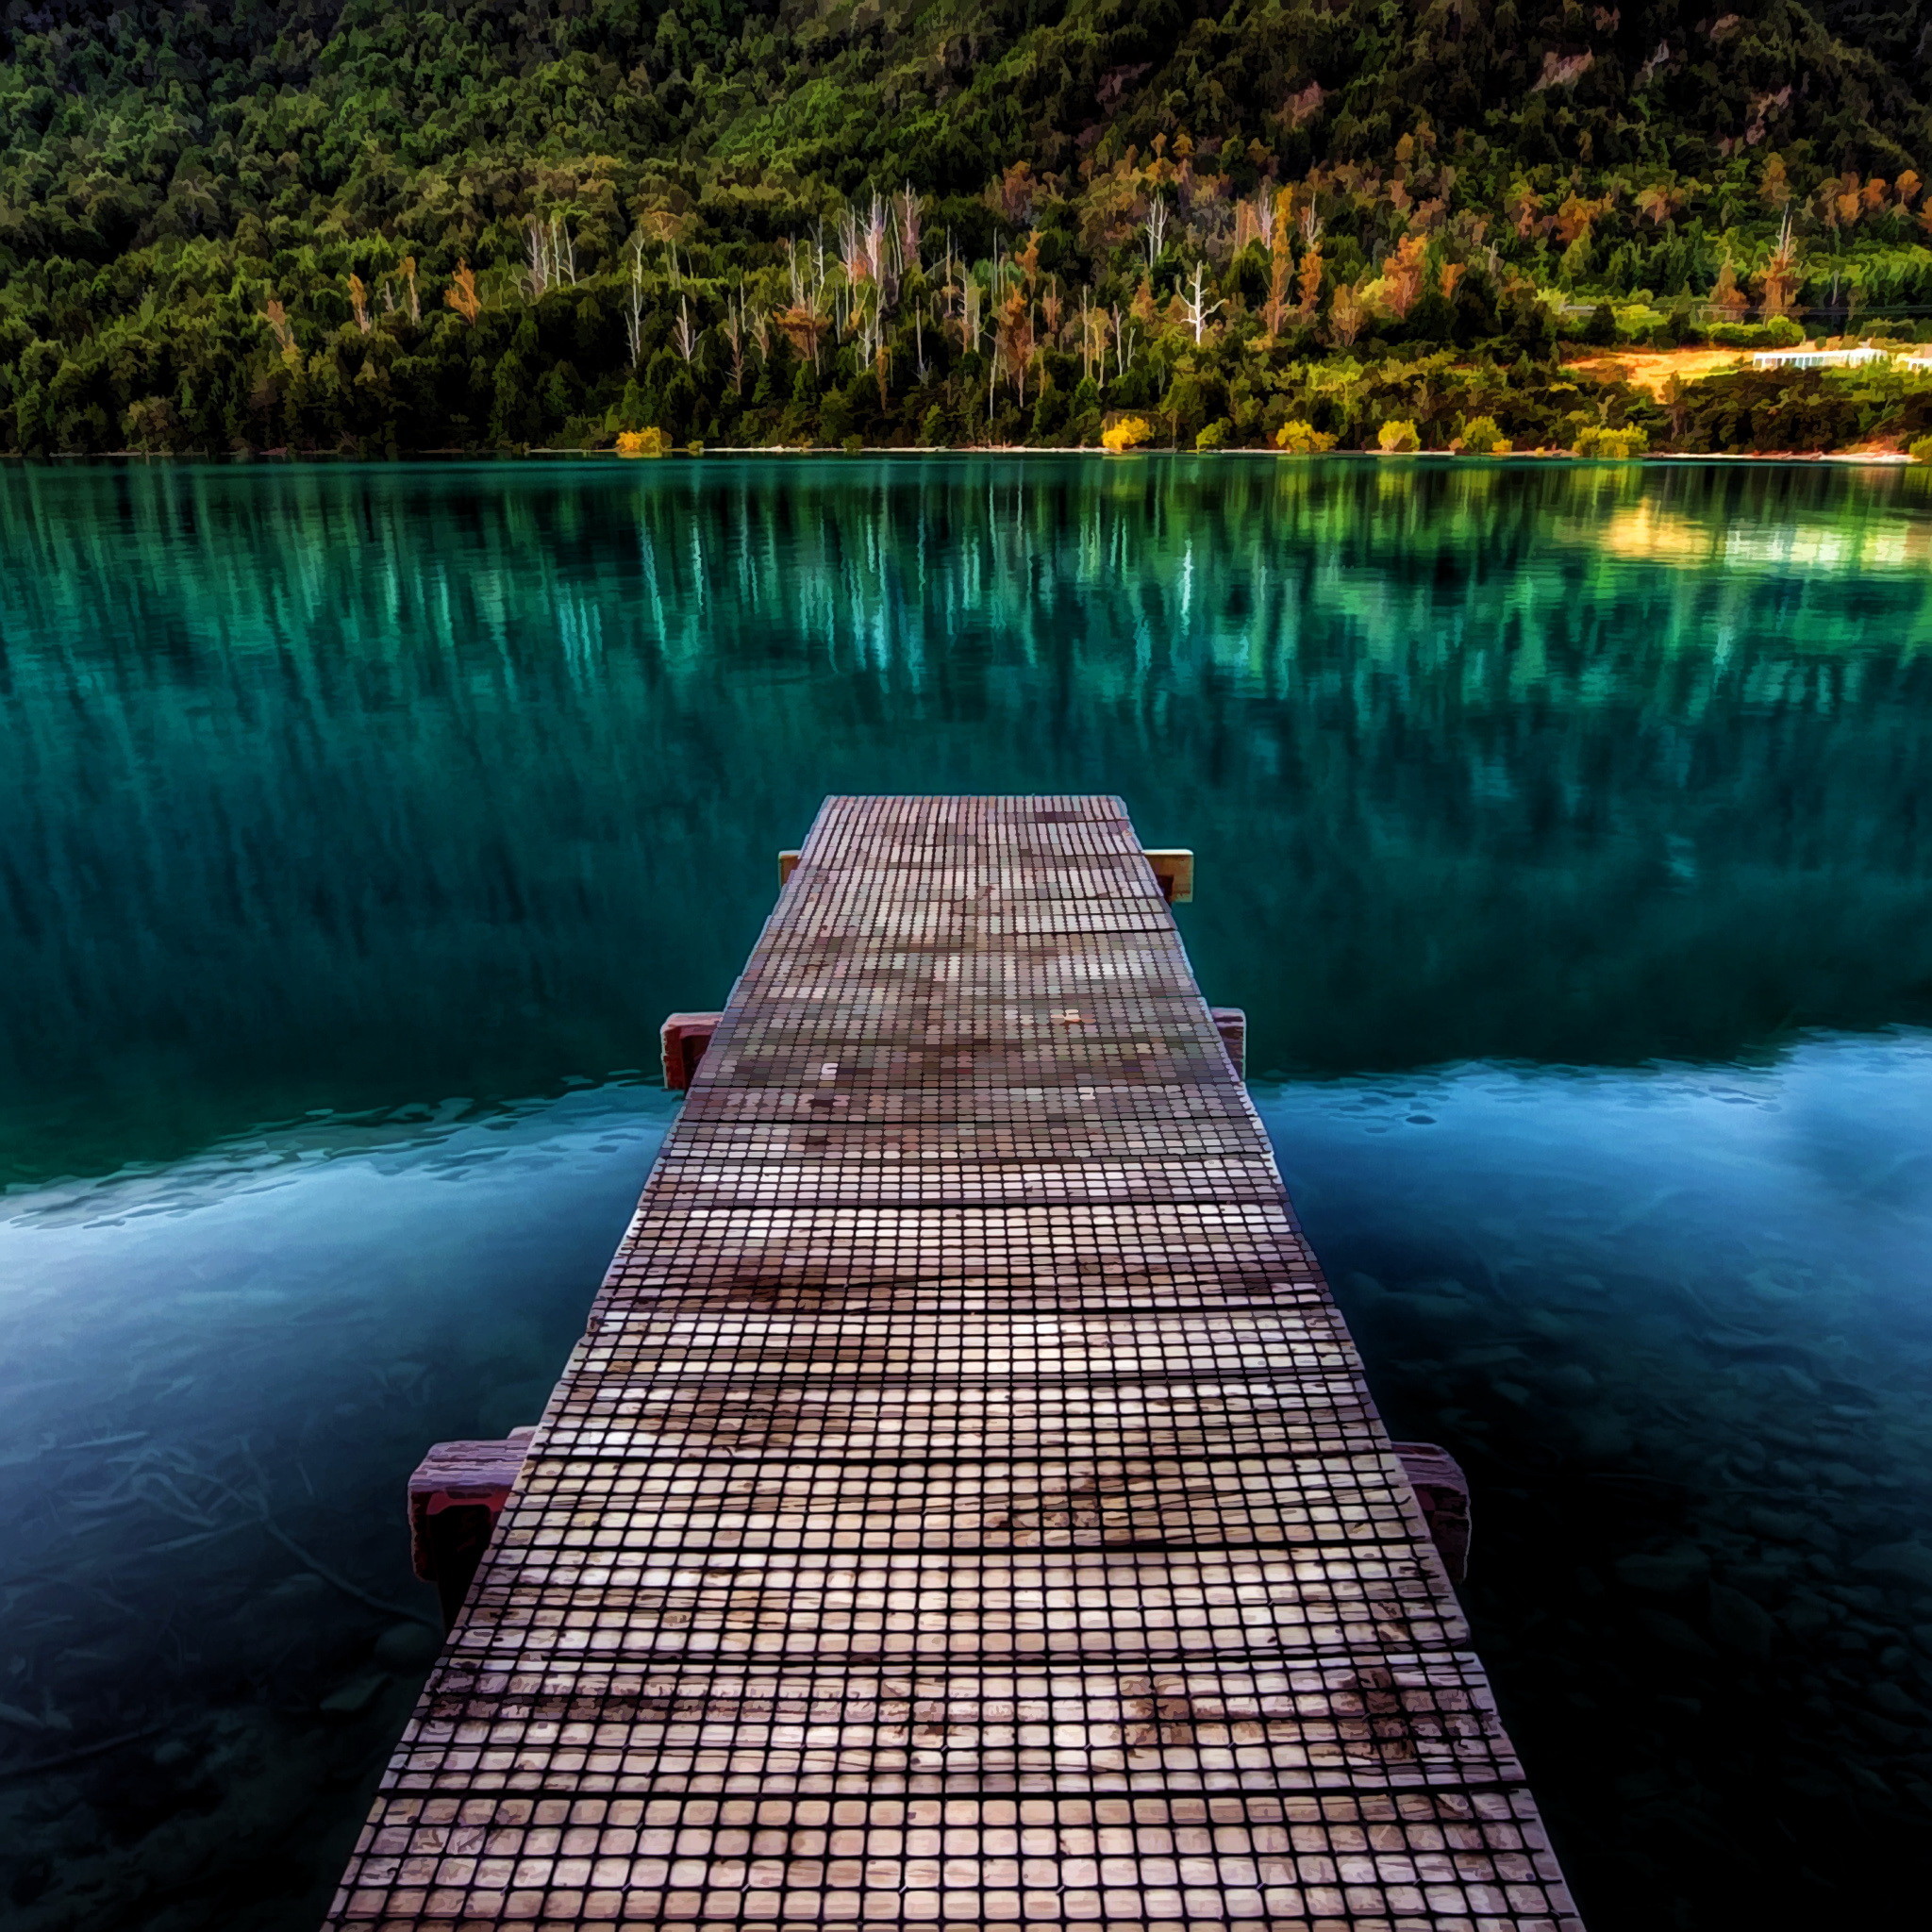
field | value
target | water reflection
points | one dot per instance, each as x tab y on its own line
329	788
399	782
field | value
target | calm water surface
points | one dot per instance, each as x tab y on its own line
1566	832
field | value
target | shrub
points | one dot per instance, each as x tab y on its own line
1303	440
1214	435
644	442
1480	437
1920	450
1601	330
1780	332
1398	438
1619	444
150	423
1129	432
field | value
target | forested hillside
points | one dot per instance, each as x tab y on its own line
452	223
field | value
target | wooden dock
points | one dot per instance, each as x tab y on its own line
965	1509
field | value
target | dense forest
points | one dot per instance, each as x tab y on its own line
332	224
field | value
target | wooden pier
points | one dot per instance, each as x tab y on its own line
965	1509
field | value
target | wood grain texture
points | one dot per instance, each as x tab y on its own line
965	1507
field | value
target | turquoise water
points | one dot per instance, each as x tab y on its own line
1565	831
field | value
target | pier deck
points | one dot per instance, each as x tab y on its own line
965	1509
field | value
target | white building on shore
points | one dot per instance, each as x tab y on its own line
1807	357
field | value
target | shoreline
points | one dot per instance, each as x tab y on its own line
1884	460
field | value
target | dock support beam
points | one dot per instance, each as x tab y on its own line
1173	867
1442	1490
1231	1022
683	1038
456	1495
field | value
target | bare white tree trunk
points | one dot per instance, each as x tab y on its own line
684	335
1200	311
634	313
1157	231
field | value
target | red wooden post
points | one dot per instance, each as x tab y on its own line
685	1037
456	1495
1442	1490
1231	1022
1173	871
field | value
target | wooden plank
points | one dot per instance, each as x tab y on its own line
965	1507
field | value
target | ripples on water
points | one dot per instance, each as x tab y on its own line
1564	830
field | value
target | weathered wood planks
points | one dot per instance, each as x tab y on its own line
965	1509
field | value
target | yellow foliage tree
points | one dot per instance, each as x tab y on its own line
643	442
1129	432
1300	439
461	293
1397	437
1620	445
278	319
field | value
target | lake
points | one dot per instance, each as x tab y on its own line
1565	830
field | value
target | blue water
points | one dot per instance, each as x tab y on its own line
1564	830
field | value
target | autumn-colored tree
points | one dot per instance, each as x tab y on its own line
1281	264
281	328
359	302
1346	315
1659	204
1780	278
1575	218
1308	281
408	271
1400	286
1013	335
1726	296
1774	185
461	294
802	325
1017	189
